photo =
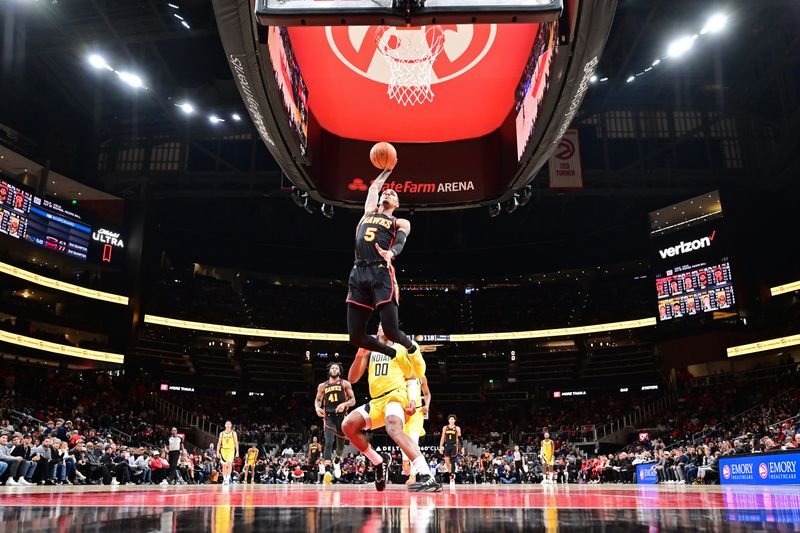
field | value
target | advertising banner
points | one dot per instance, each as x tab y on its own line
646	474
778	468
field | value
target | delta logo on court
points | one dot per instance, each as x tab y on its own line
685	247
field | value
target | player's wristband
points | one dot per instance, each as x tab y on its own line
399	243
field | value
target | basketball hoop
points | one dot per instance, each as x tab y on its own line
410	54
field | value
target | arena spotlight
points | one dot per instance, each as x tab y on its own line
593	79
680	46
630	79
512	204
327	211
236	116
494	210
131	79
97	61
715	23
186	107
214	119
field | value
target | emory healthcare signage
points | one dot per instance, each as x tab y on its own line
646	474
763	469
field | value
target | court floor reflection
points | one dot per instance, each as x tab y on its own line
416	519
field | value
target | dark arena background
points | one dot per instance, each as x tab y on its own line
602	273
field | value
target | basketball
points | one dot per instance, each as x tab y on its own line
383	155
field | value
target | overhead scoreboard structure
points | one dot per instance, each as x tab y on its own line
475	95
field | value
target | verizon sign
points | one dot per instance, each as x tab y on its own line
684	247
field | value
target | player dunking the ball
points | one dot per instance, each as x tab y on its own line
380	238
392	387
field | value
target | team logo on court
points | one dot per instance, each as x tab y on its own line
763	471
465	45
726	472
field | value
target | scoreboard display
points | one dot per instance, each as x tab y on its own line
695	290
49	225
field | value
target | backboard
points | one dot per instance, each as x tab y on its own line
402	12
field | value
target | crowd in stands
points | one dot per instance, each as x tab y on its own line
68	427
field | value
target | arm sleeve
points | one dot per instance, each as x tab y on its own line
399	243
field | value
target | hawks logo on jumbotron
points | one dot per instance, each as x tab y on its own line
726	472
465	46
763	471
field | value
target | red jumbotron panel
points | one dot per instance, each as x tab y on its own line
474	80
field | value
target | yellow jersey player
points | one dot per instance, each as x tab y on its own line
228	446
414	427
547	455
250	464
390	407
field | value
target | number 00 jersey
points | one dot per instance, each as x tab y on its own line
386	374
333	395
375	228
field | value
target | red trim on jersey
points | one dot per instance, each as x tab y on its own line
360	304
392	294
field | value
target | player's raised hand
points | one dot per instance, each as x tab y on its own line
387	255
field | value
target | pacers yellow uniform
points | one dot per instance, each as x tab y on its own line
228	449
547	452
387	379
252	456
414	425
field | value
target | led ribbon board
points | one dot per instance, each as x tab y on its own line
62	349
763	346
783	289
341	337
62	286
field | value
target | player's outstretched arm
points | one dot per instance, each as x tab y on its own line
359	365
351	398
371	204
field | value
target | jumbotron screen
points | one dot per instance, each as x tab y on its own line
695	290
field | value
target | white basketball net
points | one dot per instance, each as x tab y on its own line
410	54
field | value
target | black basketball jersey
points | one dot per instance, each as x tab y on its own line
450	436
334	395
375	228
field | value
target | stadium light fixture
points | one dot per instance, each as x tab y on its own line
214	119
186	25
630	79
173	6
131	79
680	46
97	61
715	23
494	210
236	116
327	211
593	79
186	107
512	204
656	62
